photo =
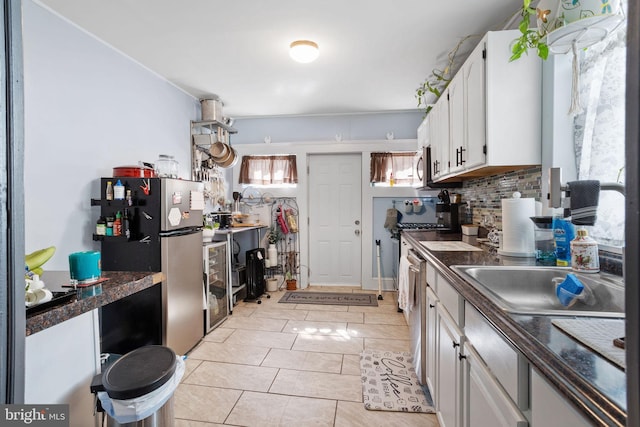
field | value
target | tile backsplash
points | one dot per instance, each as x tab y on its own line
485	193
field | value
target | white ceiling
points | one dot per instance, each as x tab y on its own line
373	53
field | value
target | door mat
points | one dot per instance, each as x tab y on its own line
389	383
329	298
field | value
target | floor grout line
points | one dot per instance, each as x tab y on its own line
331	413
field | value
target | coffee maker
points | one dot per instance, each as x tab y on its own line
447	213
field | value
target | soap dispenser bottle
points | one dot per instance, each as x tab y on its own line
584	253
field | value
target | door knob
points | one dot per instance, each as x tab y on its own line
357	222
357	232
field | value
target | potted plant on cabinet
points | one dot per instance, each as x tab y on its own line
438	80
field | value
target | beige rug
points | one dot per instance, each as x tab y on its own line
330	298
389	383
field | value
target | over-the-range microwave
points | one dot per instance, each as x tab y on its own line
425	169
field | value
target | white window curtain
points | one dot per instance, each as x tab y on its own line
268	170
599	131
400	165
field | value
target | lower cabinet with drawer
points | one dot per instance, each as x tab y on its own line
477	379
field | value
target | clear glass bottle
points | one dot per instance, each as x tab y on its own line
109	191
166	166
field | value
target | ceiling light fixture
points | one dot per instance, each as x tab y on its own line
304	51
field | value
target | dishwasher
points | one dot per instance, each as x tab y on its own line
417	315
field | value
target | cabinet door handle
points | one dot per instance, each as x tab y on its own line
462	161
432	306
461	356
455	344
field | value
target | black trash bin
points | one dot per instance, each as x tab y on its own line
137	389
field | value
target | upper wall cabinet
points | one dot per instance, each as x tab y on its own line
492	111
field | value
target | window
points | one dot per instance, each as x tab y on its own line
279	170
599	136
402	166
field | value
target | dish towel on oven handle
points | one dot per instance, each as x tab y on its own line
405	294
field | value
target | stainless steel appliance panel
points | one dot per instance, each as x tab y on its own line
175	211
417	317
216	298
182	291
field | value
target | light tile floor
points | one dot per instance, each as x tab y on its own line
274	364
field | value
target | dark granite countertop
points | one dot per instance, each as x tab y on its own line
120	284
595	387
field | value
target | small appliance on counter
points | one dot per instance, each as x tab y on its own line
447	213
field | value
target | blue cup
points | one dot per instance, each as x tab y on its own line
84	267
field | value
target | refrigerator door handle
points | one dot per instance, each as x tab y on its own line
180	232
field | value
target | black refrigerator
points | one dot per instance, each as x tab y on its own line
165	235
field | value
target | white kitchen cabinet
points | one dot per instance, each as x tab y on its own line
60	363
475	376
549	408
451	300
472	152
439	138
506	364
484	400
457	129
431	342
494	113
449	341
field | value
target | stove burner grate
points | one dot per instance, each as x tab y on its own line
420	226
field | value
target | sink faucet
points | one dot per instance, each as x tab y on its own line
556	188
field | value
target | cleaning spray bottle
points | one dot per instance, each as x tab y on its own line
563	233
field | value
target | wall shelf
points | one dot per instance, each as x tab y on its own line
211	124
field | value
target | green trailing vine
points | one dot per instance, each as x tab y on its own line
439	79
530	38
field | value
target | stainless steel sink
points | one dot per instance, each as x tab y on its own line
531	290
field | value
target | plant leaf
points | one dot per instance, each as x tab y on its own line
543	51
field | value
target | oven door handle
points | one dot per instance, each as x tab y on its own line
414	258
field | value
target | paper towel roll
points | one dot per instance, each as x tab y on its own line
517	228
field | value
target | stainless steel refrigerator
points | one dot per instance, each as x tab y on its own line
165	235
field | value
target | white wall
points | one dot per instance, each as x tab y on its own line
329	127
302	150
88	108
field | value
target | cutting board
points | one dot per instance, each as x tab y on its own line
243	224
449	246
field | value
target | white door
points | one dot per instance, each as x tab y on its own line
335	219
